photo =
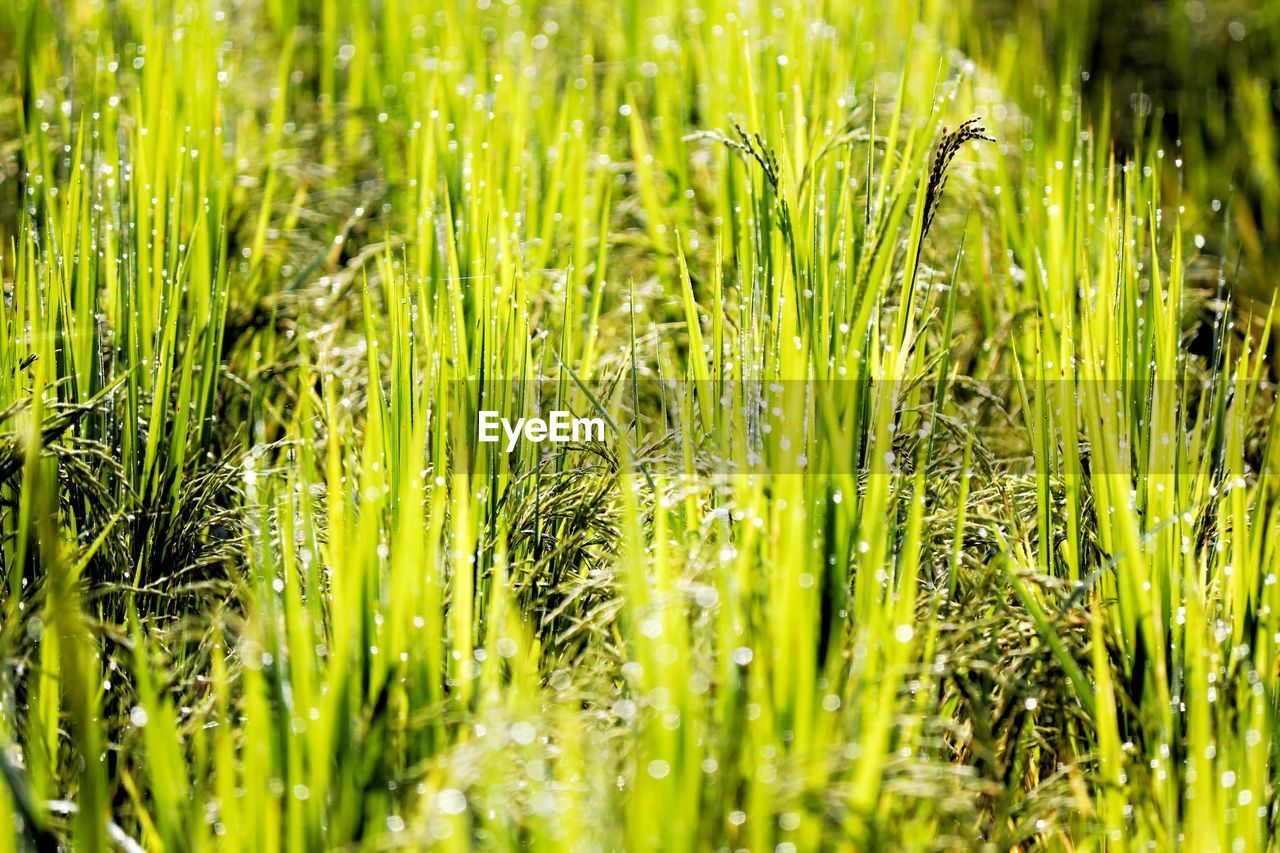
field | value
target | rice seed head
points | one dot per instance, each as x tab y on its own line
948	147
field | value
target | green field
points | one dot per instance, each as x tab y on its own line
938	501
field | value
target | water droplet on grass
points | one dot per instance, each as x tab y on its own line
451	801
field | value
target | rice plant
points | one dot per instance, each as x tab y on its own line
932	497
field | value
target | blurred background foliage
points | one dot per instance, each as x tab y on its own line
1203	76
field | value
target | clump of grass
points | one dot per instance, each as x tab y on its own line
915	524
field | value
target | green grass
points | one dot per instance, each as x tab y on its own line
994	566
